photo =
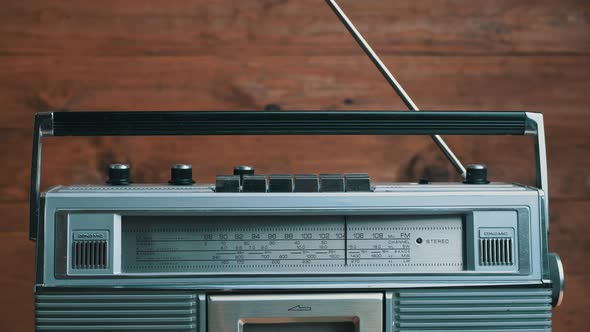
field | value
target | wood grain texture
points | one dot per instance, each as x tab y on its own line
555	85
569	237
189	27
14	217
529	55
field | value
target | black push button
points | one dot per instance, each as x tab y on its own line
280	183
357	182
227	184
254	184
331	182
242	170
306	183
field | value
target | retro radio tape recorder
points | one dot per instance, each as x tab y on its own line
302	252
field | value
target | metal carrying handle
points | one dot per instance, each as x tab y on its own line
279	123
286	123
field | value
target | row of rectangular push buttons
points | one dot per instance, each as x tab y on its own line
286	183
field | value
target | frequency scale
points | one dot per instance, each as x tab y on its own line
287	245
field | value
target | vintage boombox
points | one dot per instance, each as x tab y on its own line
302	252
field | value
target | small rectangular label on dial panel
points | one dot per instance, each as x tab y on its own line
90	235
496	232
372	244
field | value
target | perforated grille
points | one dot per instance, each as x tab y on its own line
496	251
88	255
476	310
116	311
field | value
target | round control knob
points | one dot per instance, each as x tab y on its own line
181	175
242	170
477	174
557	277
119	174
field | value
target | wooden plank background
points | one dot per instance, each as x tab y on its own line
218	55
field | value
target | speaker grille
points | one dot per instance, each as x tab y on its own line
446	310
496	251
116	311
89	255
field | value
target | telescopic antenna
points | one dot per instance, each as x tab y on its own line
393	82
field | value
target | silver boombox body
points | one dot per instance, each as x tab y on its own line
294	253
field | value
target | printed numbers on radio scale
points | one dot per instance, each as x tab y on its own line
293	247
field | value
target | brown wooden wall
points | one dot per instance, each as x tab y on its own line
218	55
